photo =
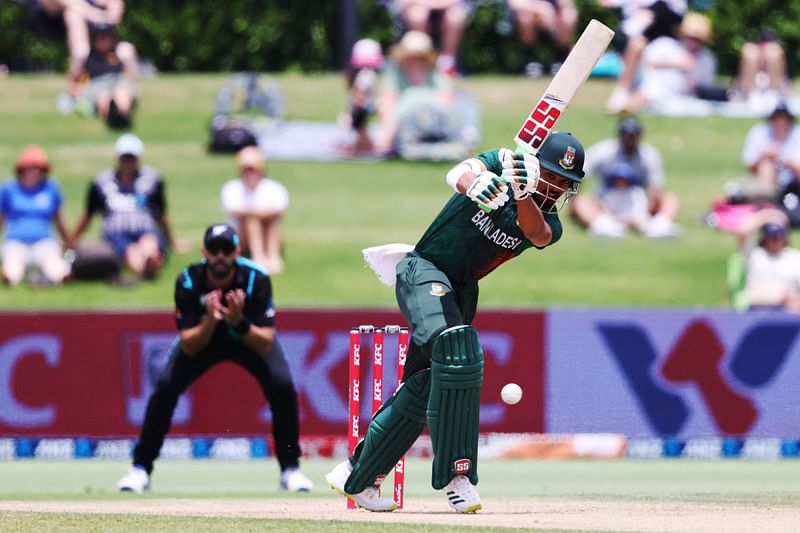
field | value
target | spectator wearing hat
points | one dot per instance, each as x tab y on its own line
772	272
30	205
674	68
771	149
451	18
646	164
134	210
255	205
413	66
362	74
106	82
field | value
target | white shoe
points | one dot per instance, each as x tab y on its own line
368	498
462	496
607	227
293	480
136	480
661	227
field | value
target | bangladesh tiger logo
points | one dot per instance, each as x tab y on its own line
567	161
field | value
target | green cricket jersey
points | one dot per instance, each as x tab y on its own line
467	243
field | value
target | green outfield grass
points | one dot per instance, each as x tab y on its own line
752	484
339	208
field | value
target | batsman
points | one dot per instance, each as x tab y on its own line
505	203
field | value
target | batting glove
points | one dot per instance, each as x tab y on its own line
488	191
520	172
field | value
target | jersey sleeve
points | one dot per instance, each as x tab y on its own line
5	199
654	166
188	311
58	196
491	158
259	308
157	201
555	226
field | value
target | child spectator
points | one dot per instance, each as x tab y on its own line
106	82
365	62
30	204
557	18
771	149
131	200
647	165
255	205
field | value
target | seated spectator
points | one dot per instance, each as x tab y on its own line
771	149
451	18
30	204
365	62
255	205
762	69
772	268
556	18
131	200
678	67
412	67
70	19
645	160
106	84
643	21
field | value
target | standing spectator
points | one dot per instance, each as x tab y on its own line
131	200
452	19
762	68
30	204
412	67
255	205
557	18
772	149
643	21
365	62
646	163
58	19
106	83
772	267
677	67
224	312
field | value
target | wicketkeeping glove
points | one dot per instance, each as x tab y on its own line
520	172
488	191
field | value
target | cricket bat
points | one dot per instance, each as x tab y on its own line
573	73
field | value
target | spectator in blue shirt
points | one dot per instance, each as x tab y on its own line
30	204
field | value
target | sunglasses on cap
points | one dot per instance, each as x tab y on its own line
215	247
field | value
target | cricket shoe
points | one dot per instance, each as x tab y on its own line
293	480
462	496
136	480
368	498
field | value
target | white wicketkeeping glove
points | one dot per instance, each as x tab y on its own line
488	191
520	171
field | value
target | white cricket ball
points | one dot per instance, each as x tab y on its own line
511	393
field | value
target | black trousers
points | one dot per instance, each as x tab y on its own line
271	372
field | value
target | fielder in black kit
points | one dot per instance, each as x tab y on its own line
224	312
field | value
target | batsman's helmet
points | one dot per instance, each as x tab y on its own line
563	154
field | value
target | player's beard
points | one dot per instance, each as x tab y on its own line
220	268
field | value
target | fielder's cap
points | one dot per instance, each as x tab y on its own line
562	154
220	233
622	170
32	156
367	53
630	126
771	229
129	144
781	108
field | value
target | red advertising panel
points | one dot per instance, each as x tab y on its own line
90	374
